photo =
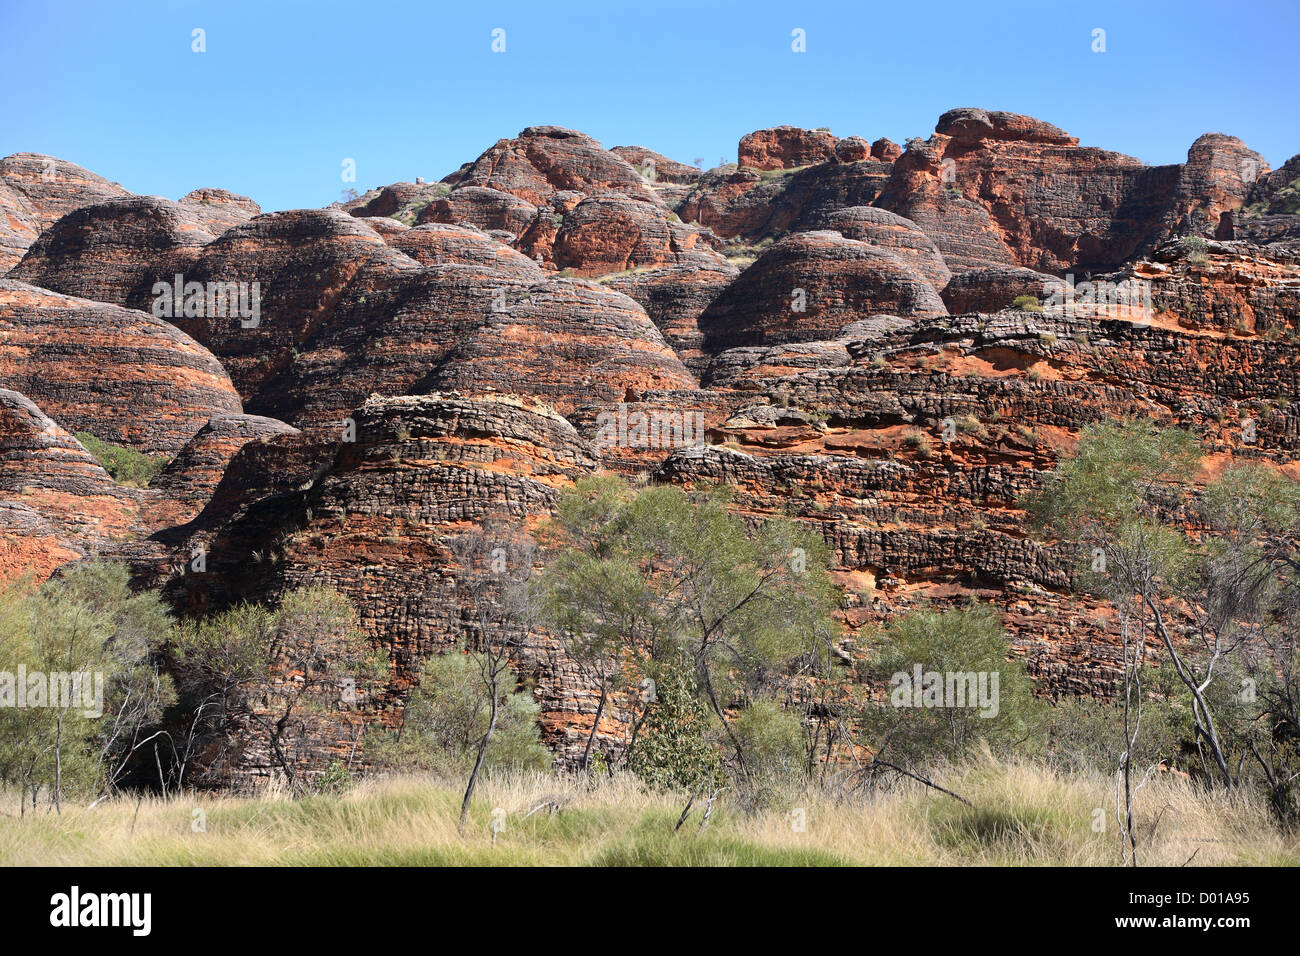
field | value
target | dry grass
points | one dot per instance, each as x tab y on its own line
1025	814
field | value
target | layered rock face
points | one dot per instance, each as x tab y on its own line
377	519
994	288
220	209
809	286
124	376
55	187
116	251
655	167
831	317
56	502
188	481
19	226
543	160
785	147
989	182
484	208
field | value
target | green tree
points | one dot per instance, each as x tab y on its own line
447	715
269	670
662	574
94	649
674	752
969	688
1206	574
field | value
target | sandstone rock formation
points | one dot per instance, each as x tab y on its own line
55	187
116	251
433	359
124	376
811	284
785	147
56	502
220	209
545	159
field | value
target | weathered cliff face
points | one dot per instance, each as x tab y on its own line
376	519
35	192
116	251
19	226
185	486
124	376
543	160
220	209
436	358
810	285
1052	204
56	502
785	147
655	167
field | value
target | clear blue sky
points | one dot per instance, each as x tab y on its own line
287	90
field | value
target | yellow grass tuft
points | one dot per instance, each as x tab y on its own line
1023	814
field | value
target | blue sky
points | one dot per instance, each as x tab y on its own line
287	90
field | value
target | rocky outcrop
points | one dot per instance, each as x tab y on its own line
749	206
423	382
675	297
56	501
55	187
220	209
566	342
1230	287
377	519
124	376
994	288
889	231
116	251
19	226
402	202
545	159
188	481
998	188
482	208
655	167
808	286
785	147
438	244
612	233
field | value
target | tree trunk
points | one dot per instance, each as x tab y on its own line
591	737
478	765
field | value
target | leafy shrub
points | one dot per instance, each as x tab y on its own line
673	750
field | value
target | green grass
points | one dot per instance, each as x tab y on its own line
124	465
1022	814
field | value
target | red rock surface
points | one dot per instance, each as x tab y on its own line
655	167
545	159
481	207
785	147
116	251
836	280
994	289
220	209
55	187
475	374
124	376
56	502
